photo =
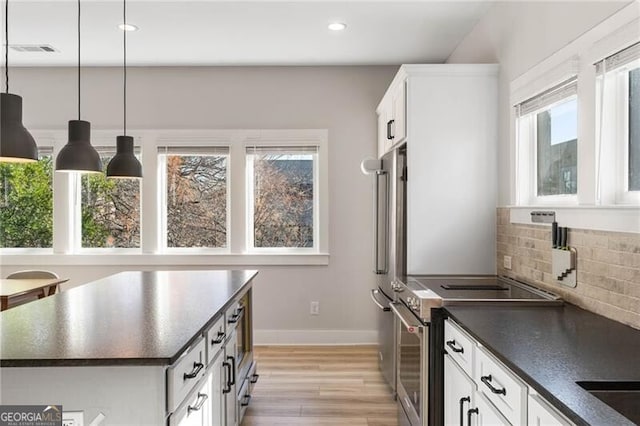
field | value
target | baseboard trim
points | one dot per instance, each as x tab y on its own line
315	337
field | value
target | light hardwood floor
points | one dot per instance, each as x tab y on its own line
320	385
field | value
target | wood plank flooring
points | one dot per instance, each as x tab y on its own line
320	385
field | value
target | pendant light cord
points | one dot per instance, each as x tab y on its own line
6	46
79	60
124	66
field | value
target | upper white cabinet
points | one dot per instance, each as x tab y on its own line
392	115
425	102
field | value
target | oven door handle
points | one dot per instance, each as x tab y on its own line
374	297
409	320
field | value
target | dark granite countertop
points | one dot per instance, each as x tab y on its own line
551	348
130	318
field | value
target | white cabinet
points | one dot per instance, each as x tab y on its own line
392	115
479	390
541	413
500	386
230	397
459	392
196	410
217	379
485	414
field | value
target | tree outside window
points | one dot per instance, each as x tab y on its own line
195	197
110	209
283	196
26	203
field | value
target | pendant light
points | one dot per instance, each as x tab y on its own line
16	143
78	155
124	164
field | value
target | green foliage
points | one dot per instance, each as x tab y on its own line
26	204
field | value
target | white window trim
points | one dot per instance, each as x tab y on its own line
608	37
150	254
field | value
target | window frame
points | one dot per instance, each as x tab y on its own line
67	212
47	144
162	218
596	207
622	89
526	149
250	199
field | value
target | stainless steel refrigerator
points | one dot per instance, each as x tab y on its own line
389	180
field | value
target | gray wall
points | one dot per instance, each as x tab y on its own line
341	99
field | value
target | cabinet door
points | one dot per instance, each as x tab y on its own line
217	405
231	398
385	127
195	411
541	413
400	112
458	393
484	413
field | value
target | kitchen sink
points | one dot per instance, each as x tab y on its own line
624	397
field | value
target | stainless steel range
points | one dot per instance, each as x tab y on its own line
419	336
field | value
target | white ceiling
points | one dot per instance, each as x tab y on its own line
243	32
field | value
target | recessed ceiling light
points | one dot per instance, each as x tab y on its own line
337	26
128	27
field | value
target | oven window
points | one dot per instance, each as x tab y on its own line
409	367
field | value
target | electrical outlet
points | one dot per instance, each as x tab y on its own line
72	418
507	262
315	308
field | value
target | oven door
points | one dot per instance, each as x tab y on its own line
413	365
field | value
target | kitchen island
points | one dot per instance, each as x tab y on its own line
136	347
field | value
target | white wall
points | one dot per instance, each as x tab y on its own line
518	35
340	99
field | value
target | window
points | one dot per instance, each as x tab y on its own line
557	153
619	108
195	196
110	209
26	199
282	197
547	125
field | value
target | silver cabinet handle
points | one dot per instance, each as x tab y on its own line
202	397
381	268
374	297
409	320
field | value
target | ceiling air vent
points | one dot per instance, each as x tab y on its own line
33	48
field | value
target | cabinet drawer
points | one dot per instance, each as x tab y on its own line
184	374
215	336
460	346
195	409
233	315
503	388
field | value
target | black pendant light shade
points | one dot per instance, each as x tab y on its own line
16	143
78	155
124	164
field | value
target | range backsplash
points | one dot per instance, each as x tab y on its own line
608	265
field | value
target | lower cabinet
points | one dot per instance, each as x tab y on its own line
541	413
459	392
229	398
483	413
495	395
196	410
